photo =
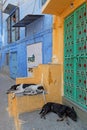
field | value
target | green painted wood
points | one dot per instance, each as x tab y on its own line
75	56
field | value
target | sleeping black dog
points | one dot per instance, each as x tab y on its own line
61	110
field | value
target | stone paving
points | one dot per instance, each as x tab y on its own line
6	122
32	121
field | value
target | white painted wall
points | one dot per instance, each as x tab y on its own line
34	56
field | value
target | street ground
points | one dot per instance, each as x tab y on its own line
6	123
31	120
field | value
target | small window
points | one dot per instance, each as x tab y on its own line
13	32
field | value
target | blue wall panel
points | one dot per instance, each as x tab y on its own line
20	49
0	29
22	60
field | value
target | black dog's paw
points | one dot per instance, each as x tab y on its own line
60	119
43	117
67	122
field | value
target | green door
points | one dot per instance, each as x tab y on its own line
75	56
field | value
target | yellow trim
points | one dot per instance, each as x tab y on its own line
58	30
69	9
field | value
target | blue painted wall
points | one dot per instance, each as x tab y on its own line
38	31
20	50
0	29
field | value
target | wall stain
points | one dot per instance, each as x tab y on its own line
50	78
